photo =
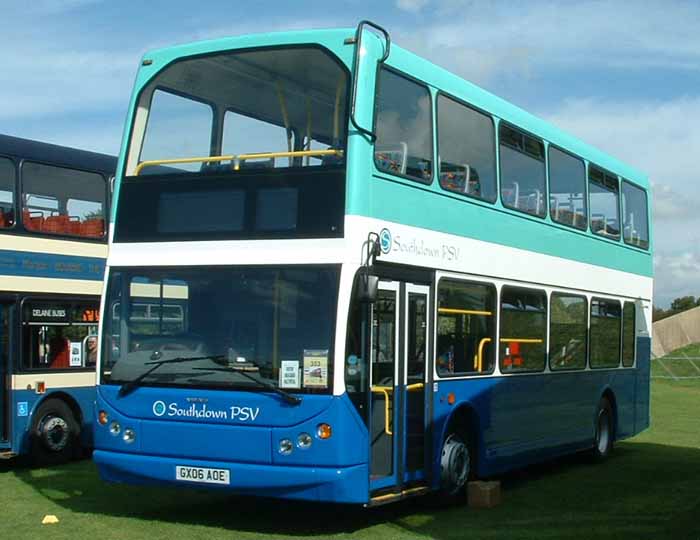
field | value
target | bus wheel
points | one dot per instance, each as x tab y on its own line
604	431
54	433
455	465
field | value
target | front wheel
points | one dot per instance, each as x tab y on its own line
54	433
455	465
604	431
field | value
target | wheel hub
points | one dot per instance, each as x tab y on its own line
54	433
454	464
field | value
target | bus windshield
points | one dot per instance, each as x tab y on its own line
274	323
263	109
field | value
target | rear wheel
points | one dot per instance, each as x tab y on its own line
455	465
54	433
604	431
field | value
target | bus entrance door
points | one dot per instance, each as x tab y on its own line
398	390
4	374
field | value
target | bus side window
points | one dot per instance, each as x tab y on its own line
523	329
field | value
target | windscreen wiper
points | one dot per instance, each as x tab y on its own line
286	396
130	386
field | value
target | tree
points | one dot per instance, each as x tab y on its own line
683	303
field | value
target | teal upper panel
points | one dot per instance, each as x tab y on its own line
369	190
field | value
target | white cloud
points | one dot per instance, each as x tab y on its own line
481	40
412	6
671	205
676	275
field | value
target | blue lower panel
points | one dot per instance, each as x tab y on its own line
342	485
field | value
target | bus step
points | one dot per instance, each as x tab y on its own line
385	498
7	455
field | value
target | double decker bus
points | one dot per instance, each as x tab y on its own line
391	280
53	246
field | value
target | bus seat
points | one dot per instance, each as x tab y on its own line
93	228
258	164
59	349
73	225
216	168
55	224
33	221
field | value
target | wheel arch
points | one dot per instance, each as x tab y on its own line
464	419
69	400
609	394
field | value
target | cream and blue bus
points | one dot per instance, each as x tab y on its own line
370	279
53	246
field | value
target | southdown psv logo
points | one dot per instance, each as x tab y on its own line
385	240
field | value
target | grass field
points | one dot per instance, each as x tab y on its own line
683	362
649	489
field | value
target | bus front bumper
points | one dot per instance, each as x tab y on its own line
330	484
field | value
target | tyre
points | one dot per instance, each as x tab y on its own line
455	466
55	433
604	431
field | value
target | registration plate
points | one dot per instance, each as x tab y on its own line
202	474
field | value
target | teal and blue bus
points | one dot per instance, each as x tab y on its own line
53	246
368	278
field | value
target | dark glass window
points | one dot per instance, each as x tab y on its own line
523	330
7	193
567	189
57	200
265	320
523	184
467	153
404	142
603	192
605	333
59	335
634	208
568	331
628	334
466	328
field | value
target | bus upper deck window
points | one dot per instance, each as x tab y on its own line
274	108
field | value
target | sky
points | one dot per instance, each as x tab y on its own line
623	76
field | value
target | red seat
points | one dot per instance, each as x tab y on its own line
56	224
93	228
33	221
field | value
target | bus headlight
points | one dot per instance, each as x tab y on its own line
129	435
114	428
286	447
304	440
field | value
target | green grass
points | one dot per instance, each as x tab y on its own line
683	362
650	488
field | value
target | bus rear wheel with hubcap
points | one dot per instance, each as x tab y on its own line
455	465
604	431
54	433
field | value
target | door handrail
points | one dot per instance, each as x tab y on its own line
387	417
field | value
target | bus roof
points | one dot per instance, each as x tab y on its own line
417	67
57	155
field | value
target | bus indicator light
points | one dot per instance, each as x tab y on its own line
324	431
451	398
102	418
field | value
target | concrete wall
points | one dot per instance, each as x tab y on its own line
675	332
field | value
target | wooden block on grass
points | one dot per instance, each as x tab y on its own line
484	494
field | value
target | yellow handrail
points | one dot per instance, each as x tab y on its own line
387	417
236	158
479	358
415	386
464	311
